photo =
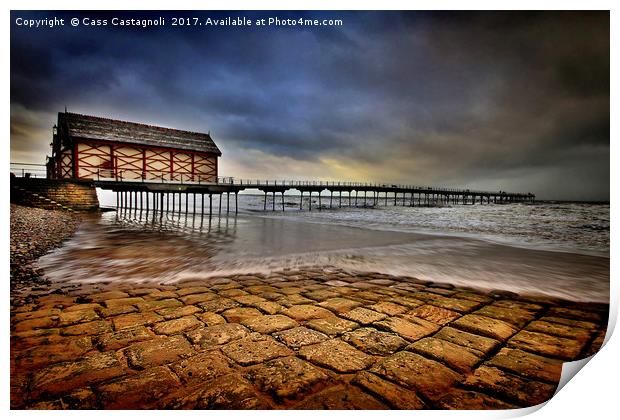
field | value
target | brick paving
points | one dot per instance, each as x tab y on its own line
312	339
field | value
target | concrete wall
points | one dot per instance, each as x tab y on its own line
54	194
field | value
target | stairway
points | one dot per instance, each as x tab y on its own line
33	199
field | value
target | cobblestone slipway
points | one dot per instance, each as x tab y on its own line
312	339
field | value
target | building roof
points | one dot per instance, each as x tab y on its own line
97	128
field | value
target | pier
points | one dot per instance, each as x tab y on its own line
175	195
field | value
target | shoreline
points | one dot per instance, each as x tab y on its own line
315	338
33	233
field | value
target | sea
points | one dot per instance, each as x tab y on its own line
558	249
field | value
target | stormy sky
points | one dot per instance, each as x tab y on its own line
517	101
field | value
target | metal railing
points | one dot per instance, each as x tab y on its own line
28	170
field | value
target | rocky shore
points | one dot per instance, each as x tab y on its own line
313	339
34	232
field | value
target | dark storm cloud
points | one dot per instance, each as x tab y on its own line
515	100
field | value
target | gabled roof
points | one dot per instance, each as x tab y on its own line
97	128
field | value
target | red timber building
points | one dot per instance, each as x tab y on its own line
93	148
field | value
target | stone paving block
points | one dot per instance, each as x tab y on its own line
590	326
43	313
60	350
389	308
218	305
88	328
203	367
272	296
261	289
516	317
394	395
65	376
482	325
142	390
114	294
559	330
476	297
291	290
255	349
407	301
75	317
371	341
410	329
332	326
336	355
193	290
339	305
527	364
226	286
152	305
460	399
426	296
547	345
368	295
429	378
142	291
210	319
231	393
176	326
267	324
82	307
476	344
119	339
46	405
341	397
135	319
515	304
249	300
596	344
230	293
440	291
300	336
30	324
20	336
237	315
306	312
450	354
80	399
157	352
116	310
296	299
458	305
320	295
161	294
575	314
216	335
434	314
193	299
364	316
526	392
122	301
286	378
173	313
270	308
